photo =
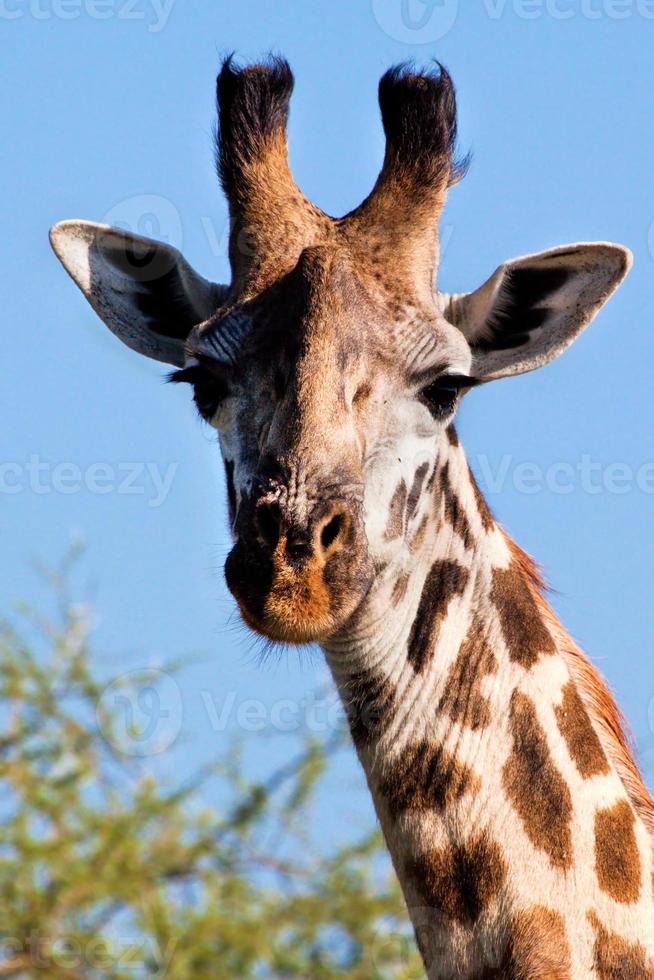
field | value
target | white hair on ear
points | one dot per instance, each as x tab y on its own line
145	291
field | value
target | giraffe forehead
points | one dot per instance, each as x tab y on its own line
331	313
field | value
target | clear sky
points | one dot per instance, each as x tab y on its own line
107	109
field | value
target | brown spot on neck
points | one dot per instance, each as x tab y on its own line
581	738
446	579
617	860
523	628
463	700
534	785
459	881
454	511
370	703
425	776
617	959
537	948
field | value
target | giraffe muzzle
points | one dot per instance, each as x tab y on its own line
298	575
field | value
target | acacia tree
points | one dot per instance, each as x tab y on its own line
105	872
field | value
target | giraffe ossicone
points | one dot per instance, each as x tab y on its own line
331	368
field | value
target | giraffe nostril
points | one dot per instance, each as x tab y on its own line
269	521
332	531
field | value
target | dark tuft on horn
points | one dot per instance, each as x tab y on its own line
419	117
252	108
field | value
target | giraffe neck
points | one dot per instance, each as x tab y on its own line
506	813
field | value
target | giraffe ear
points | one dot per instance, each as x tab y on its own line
532	308
145	291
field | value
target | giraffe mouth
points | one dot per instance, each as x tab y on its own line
296	603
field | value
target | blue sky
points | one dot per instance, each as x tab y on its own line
108	113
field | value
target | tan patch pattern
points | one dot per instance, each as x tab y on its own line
425	777
617	860
581	738
524	631
535	786
463	700
459	881
617	959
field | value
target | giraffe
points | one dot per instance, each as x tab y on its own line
331	367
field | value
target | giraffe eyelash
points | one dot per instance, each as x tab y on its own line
185	375
209	390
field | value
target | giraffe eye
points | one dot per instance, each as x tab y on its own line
441	397
209	390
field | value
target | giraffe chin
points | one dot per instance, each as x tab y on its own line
280	630
286	619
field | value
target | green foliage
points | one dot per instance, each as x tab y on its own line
107	872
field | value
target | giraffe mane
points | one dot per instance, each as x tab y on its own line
614	730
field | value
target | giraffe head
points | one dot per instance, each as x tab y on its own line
331	366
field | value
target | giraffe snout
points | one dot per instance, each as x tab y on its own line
300	567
